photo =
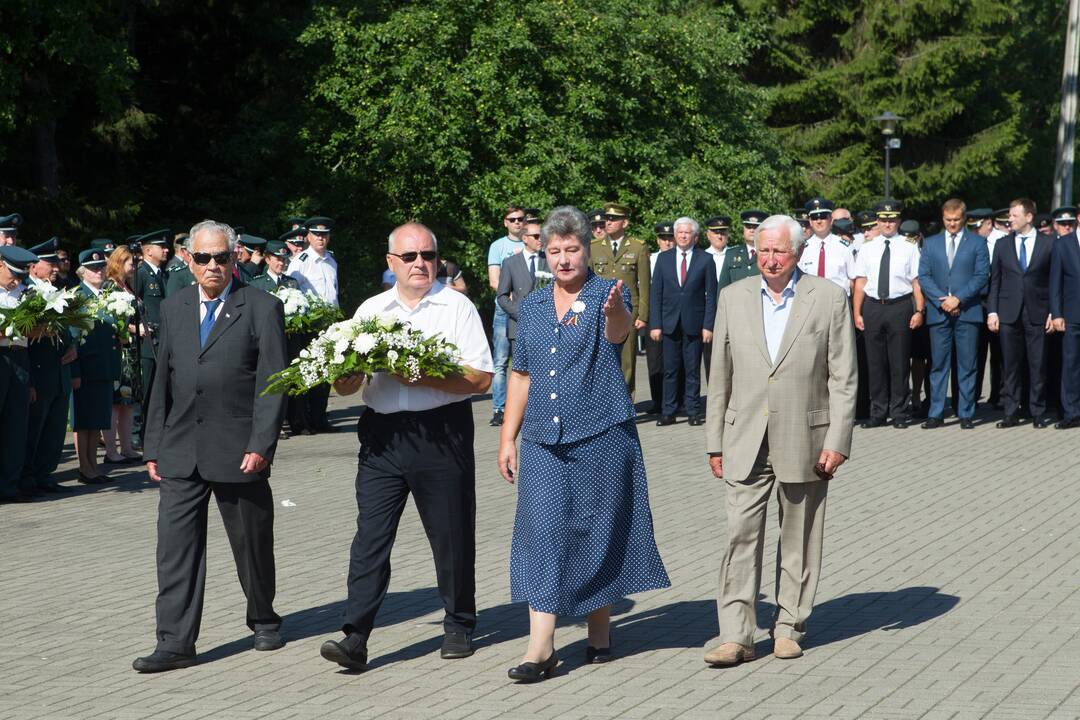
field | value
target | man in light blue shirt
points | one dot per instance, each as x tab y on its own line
501	249
775	312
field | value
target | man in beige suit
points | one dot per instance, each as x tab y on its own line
781	409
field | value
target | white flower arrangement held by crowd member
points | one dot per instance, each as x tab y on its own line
306	312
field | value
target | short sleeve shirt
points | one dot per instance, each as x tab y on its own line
903	265
319	272
839	260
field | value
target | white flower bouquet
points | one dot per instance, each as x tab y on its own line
306	312
543	279
115	307
47	311
367	346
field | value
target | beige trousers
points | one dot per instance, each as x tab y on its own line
802	521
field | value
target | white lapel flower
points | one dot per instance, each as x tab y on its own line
578	307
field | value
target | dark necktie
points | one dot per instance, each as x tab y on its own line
821	260
281	281
682	270
614	247
1023	254
883	274
532	266
207	323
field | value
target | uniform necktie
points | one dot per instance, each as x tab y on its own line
682	270
532	266
821	261
1023	254
207	323
614	247
281	281
951	249
883	274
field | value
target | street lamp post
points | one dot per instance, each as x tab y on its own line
889	122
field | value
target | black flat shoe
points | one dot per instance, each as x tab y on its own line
1008	421
874	423
666	420
967	424
268	640
696	420
596	656
456	645
109	461
349	653
1068	423
1043	422
161	661
530	672
900	423
932	422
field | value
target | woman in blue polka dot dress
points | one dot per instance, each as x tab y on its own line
583	534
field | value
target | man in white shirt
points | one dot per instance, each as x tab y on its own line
888	304
417	438
825	254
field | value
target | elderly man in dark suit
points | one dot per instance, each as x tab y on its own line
683	298
517	278
210	431
1018	309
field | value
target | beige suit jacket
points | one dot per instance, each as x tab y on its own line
806	401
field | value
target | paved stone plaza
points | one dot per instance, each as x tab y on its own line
950	589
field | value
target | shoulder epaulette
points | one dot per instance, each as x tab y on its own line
302	256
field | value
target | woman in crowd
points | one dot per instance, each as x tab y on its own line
120	272
583	533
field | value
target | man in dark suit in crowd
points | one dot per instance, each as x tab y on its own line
1018	309
210	431
953	272
517	278
150	283
683	298
1065	314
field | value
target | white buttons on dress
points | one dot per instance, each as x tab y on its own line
553	396
552	350
555	419
556	331
551	373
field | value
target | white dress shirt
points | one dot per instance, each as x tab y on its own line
688	253
991	239
217	310
9	299
775	314
443	312
903	265
319	272
652	262
718	257
1029	244
839	260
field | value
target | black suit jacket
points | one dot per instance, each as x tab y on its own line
515	282
1065	279
691	306
206	410
1016	295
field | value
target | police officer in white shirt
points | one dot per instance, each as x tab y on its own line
825	254
417	438
888	304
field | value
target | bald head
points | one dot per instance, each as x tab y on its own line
411	228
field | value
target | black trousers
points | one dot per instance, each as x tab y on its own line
682	355
317	399
989	344
1070	371
1023	355
428	454
888	355
862	390
296	412
247	510
147	367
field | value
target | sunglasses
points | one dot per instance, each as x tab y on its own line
220	258
409	257
531	235
516	219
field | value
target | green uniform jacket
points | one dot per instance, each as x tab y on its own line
249	271
150	289
631	266
178	278
264	282
175	262
737	265
99	353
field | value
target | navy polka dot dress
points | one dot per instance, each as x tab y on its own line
583	533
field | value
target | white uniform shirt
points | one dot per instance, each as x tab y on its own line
718	257
839	260
991	239
652	262
317	273
443	312
9	299
903	265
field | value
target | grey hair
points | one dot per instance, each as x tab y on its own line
393	235
688	221
795	232
566	220
214	227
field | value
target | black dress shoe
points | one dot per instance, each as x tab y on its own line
932	422
110	461
1067	423
967	424
1008	421
874	423
530	672
497	419
162	661
696	420
666	420
87	480
456	645
1042	422
268	640
653	409
55	488
595	656
350	653
900	423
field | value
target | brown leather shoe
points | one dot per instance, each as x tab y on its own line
730	654
786	648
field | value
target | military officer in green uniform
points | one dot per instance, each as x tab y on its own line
250	262
739	259
277	262
104	245
617	257
178	272
150	291
596	222
14	377
9	228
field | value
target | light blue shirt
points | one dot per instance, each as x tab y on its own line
498	251
775	314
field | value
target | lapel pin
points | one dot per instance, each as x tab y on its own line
227	315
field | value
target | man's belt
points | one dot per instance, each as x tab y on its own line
891	301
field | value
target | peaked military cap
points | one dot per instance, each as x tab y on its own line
294	236
1065	215
296	221
161	237
818	206
18	260
843	226
532	215
888	209
1001	215
106	246
595	216
251	242
976	217
664	229
278	248
753	218
10	223
616	210
47	250
866	218
92	257
1042	220
718	222
910	227
801	215
319	225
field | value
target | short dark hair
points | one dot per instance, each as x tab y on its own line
512	208
954	205
1027	203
